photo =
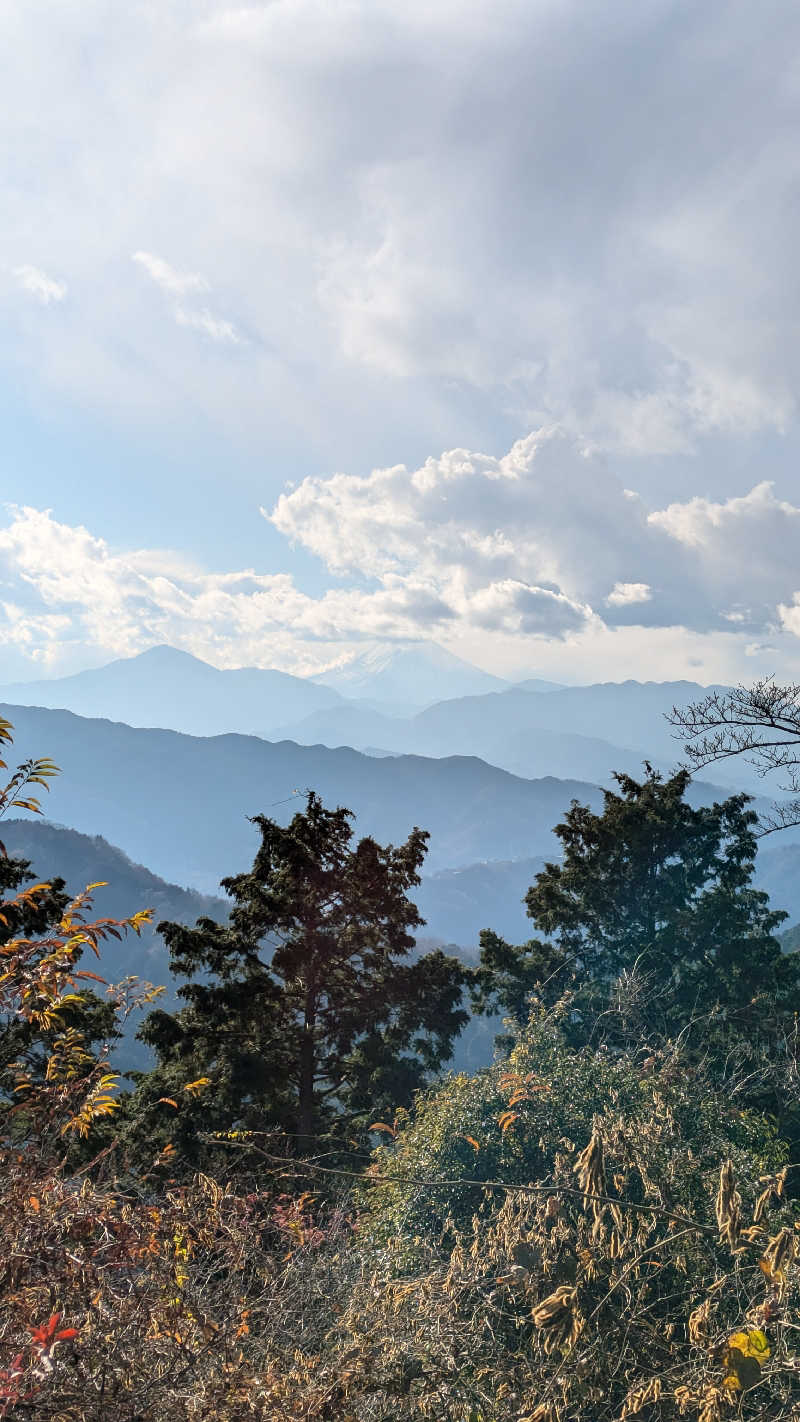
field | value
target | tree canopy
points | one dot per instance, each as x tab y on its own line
308	1006
653	901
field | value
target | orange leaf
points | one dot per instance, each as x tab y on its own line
197	1085
168	1101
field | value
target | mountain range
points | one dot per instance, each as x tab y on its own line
577	732
181	803
412	699
164	687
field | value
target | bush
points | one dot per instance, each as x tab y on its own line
640	1256
549	1098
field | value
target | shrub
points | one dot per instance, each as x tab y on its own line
640	1256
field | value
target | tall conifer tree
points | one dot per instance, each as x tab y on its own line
307	1007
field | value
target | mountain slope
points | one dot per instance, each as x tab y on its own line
165	687
502	739
409	674
581	732
627	714
180	803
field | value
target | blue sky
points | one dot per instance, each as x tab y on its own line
327	321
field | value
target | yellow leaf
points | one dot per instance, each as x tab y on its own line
197	1085
738	1340
753	1344
168	1101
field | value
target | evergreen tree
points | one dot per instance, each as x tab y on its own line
306	1007
659	895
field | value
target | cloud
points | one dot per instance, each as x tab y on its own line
790	615
744	552
628	594
182	284
546	535
39	285
214	327
71	590
509	558
490	217
173	282
540	547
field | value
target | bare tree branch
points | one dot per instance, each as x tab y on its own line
760	723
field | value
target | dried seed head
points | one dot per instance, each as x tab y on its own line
727	1206
779	1252
640	1397
590	1168
698	1321
554	1308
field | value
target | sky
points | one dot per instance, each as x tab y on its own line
333	321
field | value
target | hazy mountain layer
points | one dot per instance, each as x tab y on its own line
579	732
164	687
181	803
410	674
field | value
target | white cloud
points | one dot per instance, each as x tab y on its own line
70	587
184	284
506	559
627	594
571	212
173	282
510	552
553	518
39	285
789	615
214	327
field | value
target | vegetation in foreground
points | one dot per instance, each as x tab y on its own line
601	1225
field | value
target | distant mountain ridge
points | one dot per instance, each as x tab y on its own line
409	675
181	803
166	688
170	689
578	732
534	729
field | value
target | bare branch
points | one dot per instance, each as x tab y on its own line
760	723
